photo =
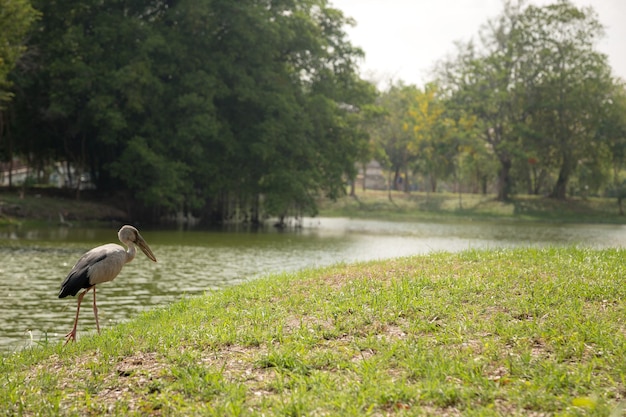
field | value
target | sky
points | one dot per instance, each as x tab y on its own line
403	39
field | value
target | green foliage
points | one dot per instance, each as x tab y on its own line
391	135
423	131
239	110
16	16
612	130
570	84
216	103
155	180
443	206
538	87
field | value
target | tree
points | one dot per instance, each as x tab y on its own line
535	83
92	86
367	120
392	135
482	80
290	90
435	141
612	133
16	16
568	83
224	109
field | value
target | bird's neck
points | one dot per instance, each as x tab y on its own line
130	253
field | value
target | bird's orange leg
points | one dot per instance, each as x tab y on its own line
95	309
72	335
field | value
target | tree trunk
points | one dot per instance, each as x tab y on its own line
560	188
406	181
396	175
9	153
458	189
364	175
10	170
539	181
80	165
1	125
70	176
477	182
504	178
389	187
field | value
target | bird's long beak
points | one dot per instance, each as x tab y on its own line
145	248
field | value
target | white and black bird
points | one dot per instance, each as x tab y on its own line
101	264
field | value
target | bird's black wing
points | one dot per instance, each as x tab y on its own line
78	278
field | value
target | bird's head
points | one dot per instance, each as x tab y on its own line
130	234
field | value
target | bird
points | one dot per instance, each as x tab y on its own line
101	264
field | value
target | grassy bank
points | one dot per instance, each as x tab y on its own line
45	206
520	332
34	206
424	206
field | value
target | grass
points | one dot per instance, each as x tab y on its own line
36	206
439	206
480	333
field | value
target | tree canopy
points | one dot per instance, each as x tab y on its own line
16	16
530	106
238	110
537	85
217	107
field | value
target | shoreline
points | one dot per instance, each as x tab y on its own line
33	208
515	332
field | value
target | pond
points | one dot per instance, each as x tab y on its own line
33	262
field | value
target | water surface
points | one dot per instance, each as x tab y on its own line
33	262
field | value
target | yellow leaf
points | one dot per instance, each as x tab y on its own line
584	402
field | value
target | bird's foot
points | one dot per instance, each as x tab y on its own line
70	336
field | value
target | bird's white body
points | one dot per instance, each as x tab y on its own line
102	264
112	258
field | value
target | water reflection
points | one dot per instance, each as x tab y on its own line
34	262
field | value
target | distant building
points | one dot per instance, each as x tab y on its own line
373	177
60	176
15	173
